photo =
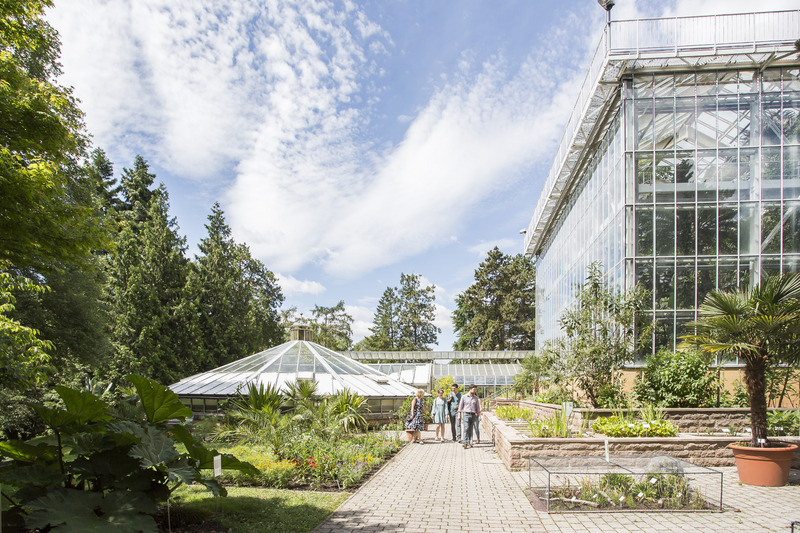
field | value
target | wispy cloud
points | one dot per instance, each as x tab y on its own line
274	102
291	286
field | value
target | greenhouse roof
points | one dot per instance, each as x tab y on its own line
488	355
289	362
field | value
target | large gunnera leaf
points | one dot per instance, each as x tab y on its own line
160	403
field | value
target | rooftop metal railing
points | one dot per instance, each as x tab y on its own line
676	35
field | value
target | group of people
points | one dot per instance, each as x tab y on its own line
463	411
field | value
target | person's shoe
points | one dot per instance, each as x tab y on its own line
464	446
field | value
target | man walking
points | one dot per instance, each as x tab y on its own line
453	399
469	409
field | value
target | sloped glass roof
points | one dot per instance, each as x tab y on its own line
284	364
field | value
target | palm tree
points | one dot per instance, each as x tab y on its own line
761	326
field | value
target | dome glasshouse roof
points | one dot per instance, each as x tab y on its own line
289	362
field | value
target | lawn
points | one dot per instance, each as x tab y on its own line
247	510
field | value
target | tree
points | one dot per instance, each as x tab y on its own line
46	215
22	352
416	313
233	295
760	325
154	332
599	333
332	327
385	331
497	311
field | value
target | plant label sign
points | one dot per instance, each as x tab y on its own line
217	465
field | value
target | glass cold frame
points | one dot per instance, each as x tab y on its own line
711	163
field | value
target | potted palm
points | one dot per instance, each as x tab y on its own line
761	326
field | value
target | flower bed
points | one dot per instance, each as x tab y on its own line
339	464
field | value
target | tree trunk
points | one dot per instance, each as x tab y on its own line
755	380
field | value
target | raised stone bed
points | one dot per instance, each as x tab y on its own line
514	447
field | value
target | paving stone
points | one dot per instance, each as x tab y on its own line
421	488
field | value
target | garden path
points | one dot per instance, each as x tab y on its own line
422	487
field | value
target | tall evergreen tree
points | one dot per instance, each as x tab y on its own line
385	331
416	314
497	311
234	296
332	327
153	332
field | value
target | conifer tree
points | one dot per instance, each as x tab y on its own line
153	331
234	297
332	327
385	331
497	311
416	314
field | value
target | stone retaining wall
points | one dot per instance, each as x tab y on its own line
514	447
688	420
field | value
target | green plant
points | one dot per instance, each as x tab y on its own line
616	426
599	333
677	379
97	470
554	395
760	325
558	425
513	412
783	423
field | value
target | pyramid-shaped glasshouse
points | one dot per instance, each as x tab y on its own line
292	361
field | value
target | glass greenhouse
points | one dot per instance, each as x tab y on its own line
679	168
287	363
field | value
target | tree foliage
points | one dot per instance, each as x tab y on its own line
332	327
404	319
22	352
497	312
153	331
233	295
760	325
599	334
385	329
47	214
416	314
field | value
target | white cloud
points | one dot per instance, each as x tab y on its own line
291	286
362	320
482	249
322	197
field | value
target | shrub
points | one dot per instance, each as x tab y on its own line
99	470
677	379
554	395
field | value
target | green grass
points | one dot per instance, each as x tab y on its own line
247	510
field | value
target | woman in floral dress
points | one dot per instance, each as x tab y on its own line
416	422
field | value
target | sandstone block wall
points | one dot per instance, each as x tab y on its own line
514	447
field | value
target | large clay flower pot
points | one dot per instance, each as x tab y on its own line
765	467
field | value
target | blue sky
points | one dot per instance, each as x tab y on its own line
348	142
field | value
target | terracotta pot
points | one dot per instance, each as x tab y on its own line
764	467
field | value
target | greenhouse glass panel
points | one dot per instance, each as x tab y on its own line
791	227
748	167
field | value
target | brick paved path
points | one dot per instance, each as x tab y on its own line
419	491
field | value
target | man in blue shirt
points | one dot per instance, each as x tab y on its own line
453	399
